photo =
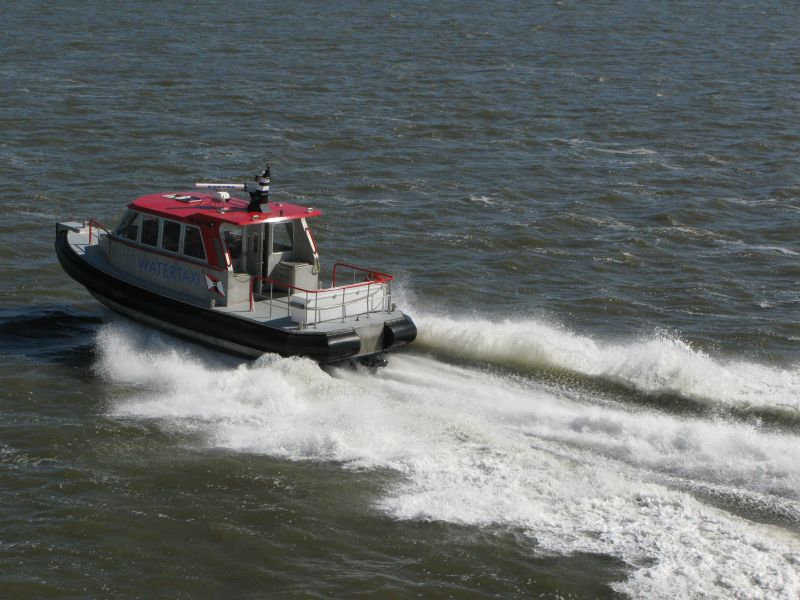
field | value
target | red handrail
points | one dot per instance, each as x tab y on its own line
372	275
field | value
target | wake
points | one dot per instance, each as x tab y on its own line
489	449
660	364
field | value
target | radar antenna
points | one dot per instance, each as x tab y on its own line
258	189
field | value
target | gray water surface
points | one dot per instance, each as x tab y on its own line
593	213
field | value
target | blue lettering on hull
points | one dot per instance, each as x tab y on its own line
168	271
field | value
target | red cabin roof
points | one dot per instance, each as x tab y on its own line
192	206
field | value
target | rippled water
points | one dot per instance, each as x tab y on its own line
593	210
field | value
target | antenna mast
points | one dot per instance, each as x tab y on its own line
259	193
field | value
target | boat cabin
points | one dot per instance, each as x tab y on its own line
197	243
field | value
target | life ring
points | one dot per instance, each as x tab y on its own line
374	277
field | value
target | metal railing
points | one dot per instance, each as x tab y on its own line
98	225
374	284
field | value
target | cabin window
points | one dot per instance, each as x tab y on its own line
171	236
149	230
282	237
129	227
193	243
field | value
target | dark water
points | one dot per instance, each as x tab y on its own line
593	209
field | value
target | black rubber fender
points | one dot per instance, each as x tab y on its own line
342	345
397	333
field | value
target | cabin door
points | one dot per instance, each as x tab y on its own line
255	253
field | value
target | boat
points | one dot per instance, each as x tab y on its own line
241	276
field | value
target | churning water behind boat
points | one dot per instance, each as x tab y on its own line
476	446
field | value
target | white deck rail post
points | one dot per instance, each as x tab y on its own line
270	299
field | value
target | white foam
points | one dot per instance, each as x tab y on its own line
627	151
740	246
778	249
485	449
662	363
486	200
608	148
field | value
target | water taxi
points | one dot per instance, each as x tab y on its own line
240	276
